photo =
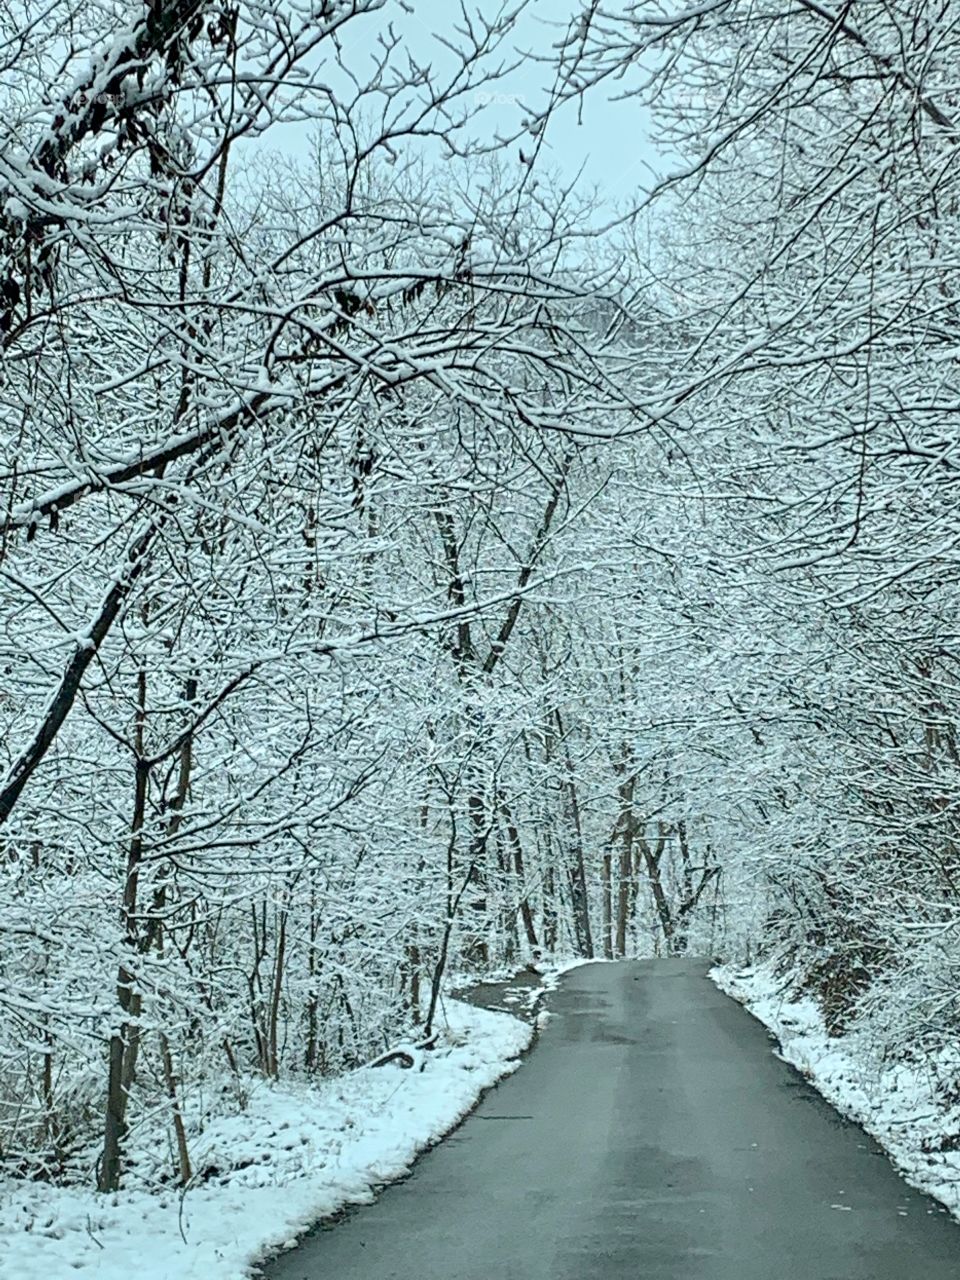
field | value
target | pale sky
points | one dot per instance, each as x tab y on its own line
611	142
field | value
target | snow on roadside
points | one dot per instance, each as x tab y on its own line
898	1104
551	974
297	1153
523	989
554	971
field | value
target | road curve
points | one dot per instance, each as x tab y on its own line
652	1135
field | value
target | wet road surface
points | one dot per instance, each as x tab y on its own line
651	1135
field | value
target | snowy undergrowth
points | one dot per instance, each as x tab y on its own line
295	1154
899	1104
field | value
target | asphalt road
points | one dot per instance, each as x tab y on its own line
651	1135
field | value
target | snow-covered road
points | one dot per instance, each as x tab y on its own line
652	1134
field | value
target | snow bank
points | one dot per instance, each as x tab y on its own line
900	1105
296	1154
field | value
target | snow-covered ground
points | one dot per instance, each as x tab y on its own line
901	1105
295	1154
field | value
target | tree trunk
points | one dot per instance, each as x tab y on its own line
513	838
276	992
124	1042
313	995
550	918
476	951
580	901
607	908
627	880
653	859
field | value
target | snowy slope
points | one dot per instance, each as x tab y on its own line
898	1104
297	1153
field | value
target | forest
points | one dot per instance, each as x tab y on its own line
413	567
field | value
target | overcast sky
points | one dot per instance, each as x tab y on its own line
611	143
